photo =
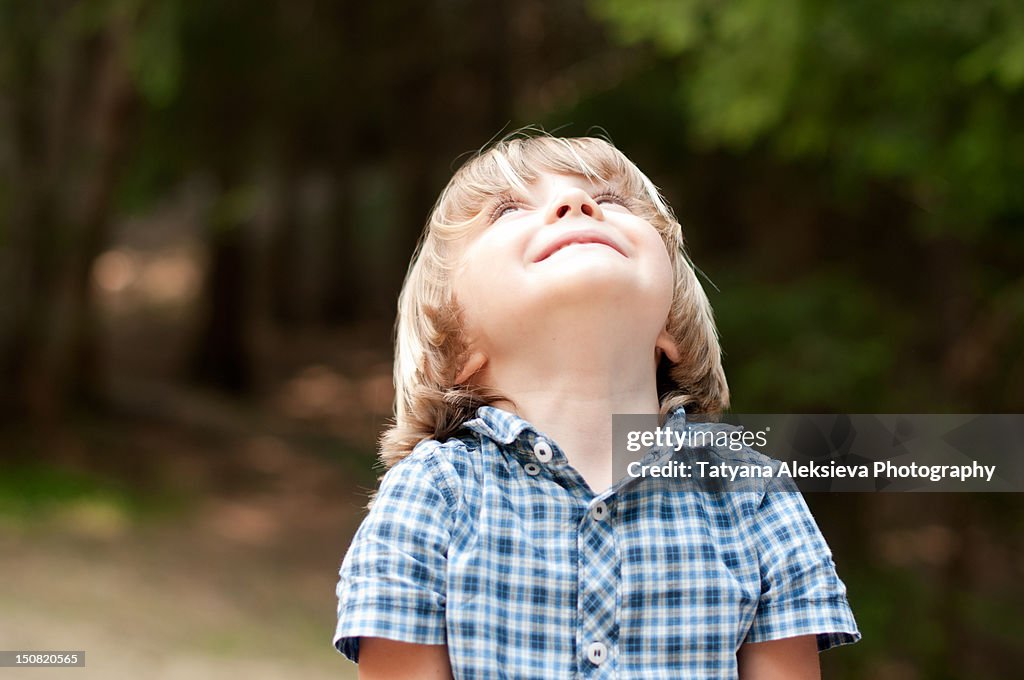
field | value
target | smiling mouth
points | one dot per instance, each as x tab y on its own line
578	240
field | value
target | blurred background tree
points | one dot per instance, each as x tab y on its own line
206	210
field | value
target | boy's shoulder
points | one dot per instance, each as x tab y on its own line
438	463
734	472
726	445
451	451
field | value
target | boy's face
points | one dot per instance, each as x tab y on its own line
567	245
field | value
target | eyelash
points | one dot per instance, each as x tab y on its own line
613	197
512	203
504	203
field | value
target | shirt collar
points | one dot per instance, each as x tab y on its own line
504	427
520	437
497	424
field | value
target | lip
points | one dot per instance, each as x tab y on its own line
577	237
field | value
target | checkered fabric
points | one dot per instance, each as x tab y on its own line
493	544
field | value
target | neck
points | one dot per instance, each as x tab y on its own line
569	387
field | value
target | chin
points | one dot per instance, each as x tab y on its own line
603	289
598	271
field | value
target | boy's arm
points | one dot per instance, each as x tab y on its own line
383	659
392	583
801	594
794	658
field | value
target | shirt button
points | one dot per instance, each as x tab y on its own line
532	469
599	511
597	652
542	450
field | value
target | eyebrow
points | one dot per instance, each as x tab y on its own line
510	194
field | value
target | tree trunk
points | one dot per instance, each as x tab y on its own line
69	100
223	358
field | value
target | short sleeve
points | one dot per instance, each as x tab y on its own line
801	594
392	580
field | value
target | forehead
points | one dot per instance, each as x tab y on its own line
546	182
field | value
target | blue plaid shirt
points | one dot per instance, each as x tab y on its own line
493	544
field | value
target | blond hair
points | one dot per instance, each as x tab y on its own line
429	345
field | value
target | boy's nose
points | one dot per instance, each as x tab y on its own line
574	202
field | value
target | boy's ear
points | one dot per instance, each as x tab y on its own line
473	364
667	344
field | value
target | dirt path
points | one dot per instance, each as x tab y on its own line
163	602
239	583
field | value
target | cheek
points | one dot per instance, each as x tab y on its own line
666	285
661	272
488	262
482	284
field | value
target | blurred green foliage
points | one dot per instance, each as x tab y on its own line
845	353
921	92
36	492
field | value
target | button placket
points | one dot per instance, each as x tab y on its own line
599	576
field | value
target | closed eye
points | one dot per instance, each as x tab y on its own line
503	209
610	197
505	204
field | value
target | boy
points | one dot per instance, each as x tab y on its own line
551	290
